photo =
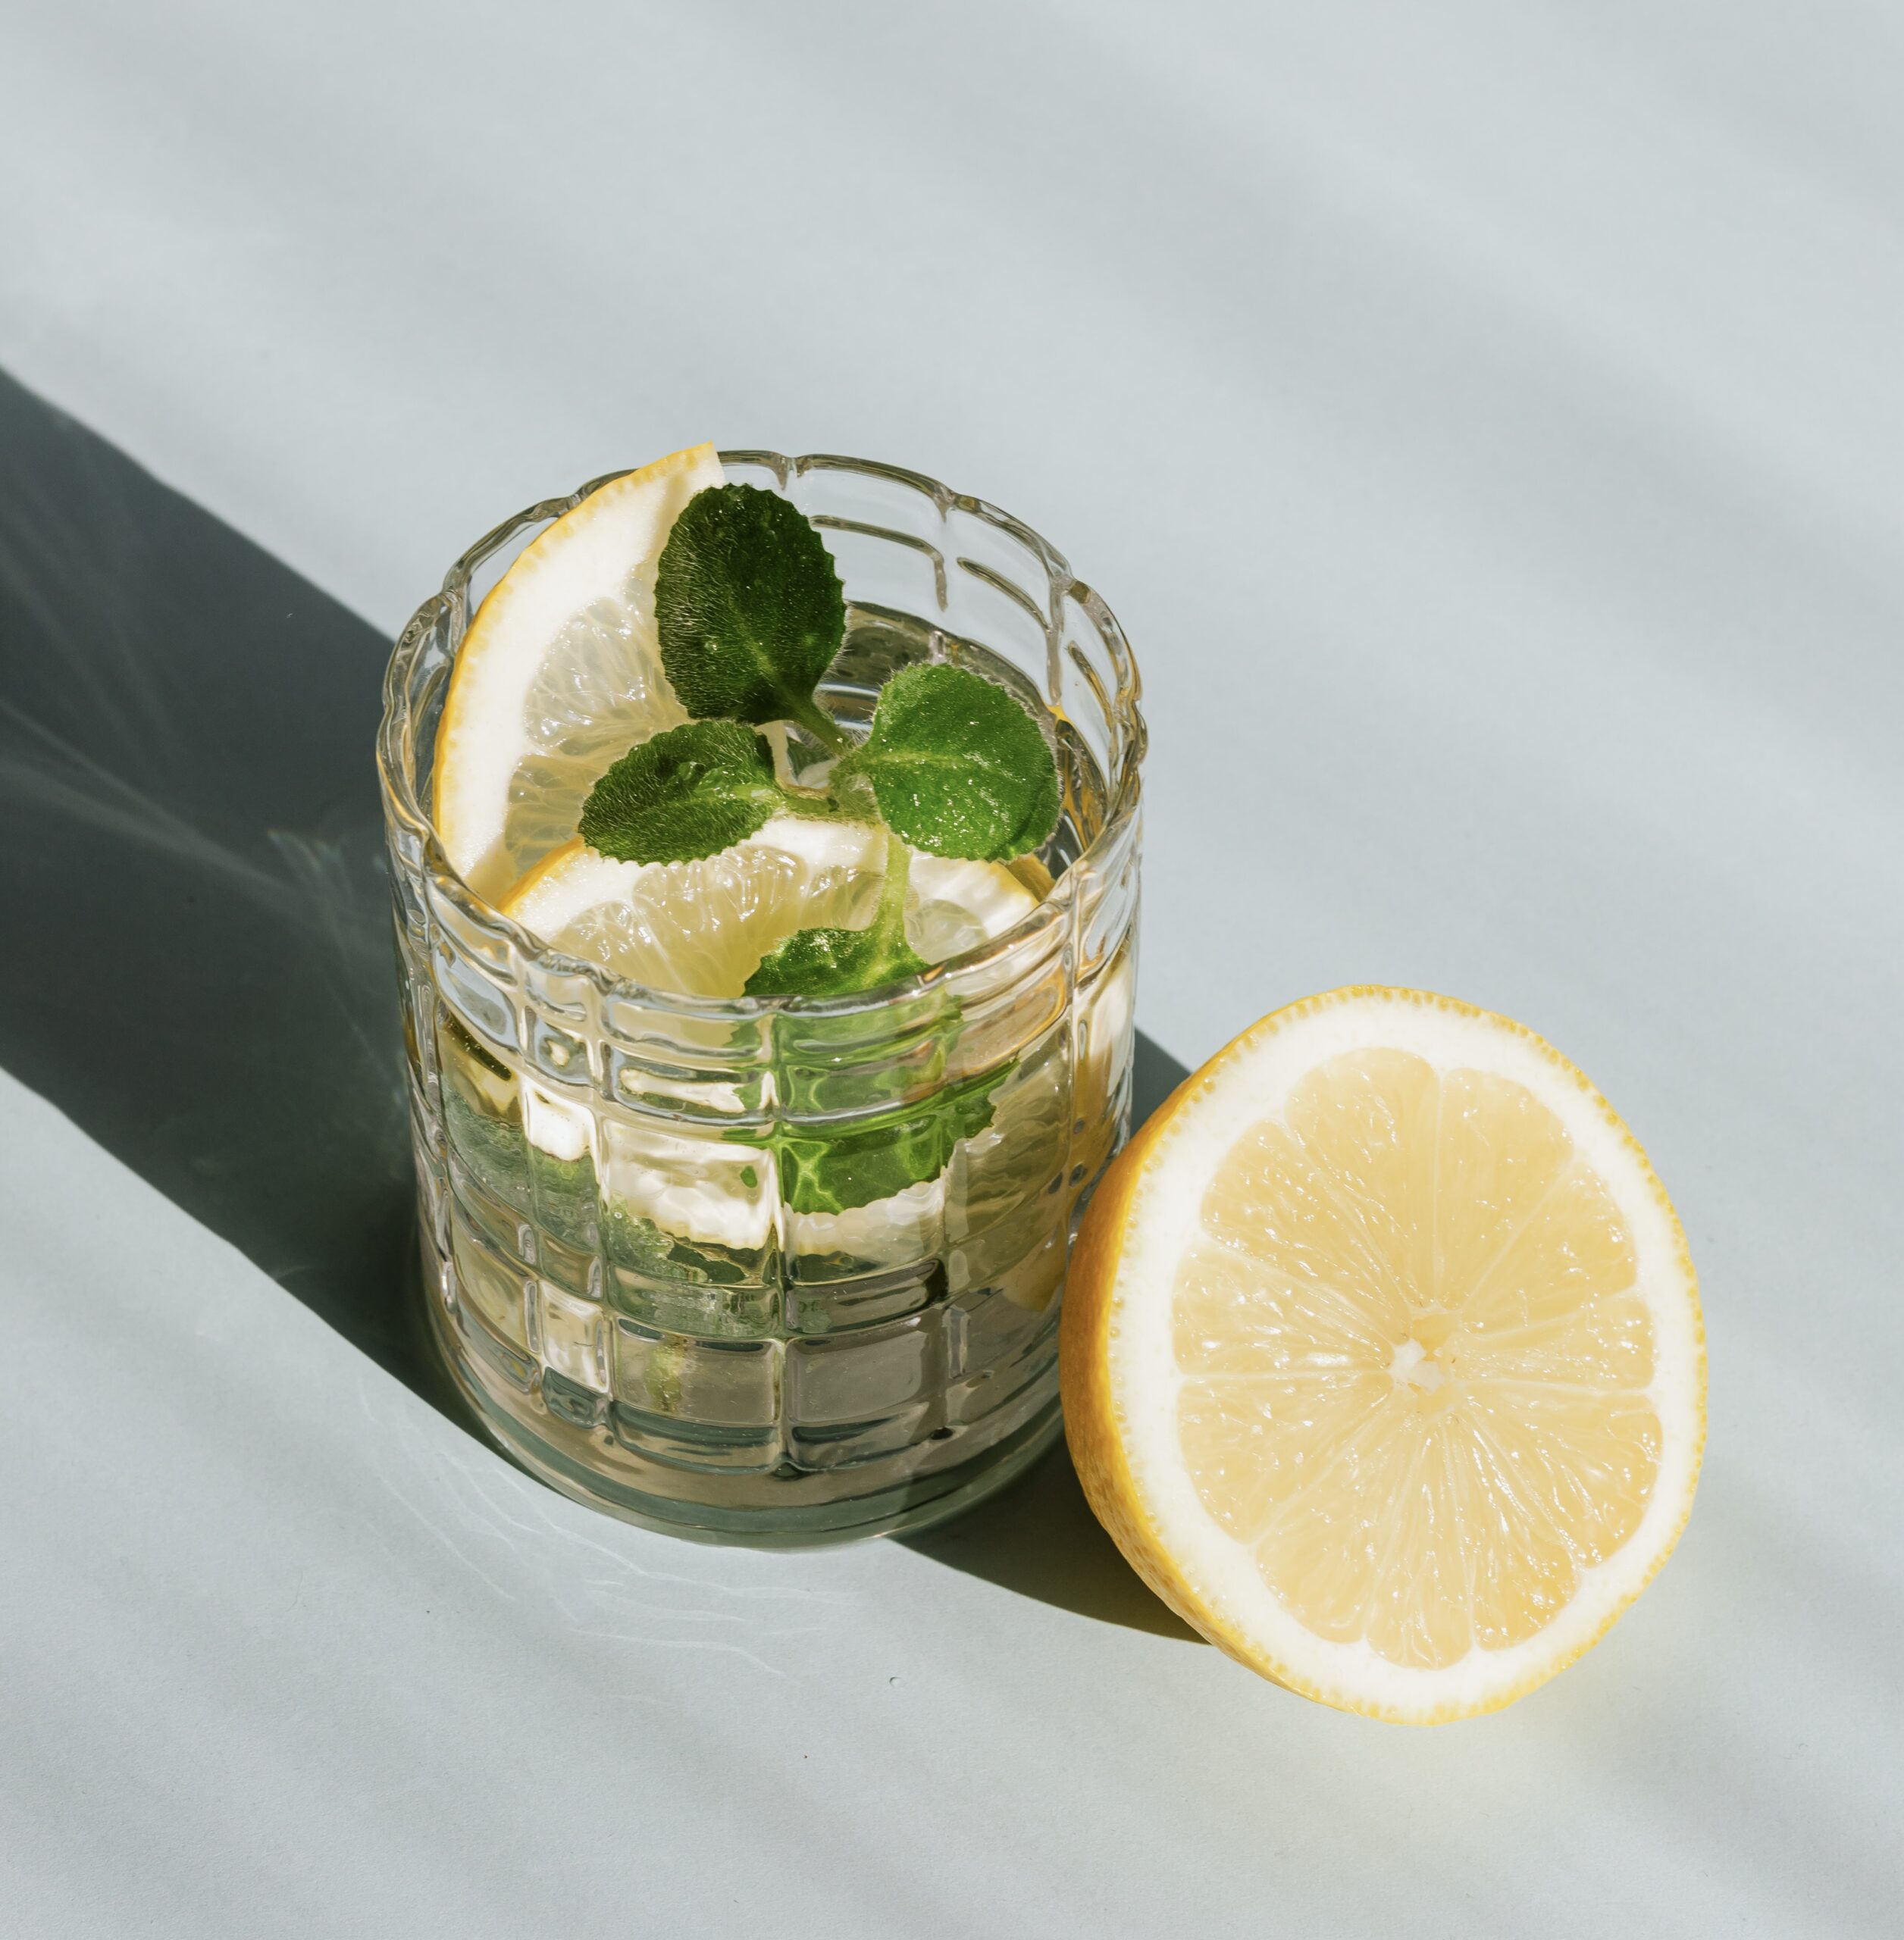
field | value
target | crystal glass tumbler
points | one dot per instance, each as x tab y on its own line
630	1274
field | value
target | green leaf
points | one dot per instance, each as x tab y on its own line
821	1172
634	1241
691	791
833	963
750	610
957	766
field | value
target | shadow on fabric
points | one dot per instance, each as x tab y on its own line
195	965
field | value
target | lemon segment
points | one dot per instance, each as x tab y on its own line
559	674
1383	1357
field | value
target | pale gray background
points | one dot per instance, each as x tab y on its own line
1488	419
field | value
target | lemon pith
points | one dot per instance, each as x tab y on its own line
1383	1359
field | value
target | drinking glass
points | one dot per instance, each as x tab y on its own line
630	1276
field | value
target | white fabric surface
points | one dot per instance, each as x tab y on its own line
1488	422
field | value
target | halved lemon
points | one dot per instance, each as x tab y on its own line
559	673
1382	1356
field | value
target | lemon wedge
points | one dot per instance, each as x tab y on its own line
559	673
1383	1359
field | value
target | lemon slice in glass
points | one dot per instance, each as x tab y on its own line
1383	1359
702	928
559	673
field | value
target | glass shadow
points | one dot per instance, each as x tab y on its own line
1038	1537
196	967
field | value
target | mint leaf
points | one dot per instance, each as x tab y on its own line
833	963
750	610
635	1242
882	1148
690	792
822	1172
957	767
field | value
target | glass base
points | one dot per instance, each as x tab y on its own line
917	1502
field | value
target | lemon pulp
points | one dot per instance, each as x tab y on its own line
1415	1364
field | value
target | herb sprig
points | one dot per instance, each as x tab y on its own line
751	613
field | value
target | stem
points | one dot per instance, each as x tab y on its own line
890	917
821	726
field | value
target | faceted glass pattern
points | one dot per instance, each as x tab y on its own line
620	1284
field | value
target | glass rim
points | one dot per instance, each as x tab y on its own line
1123	715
